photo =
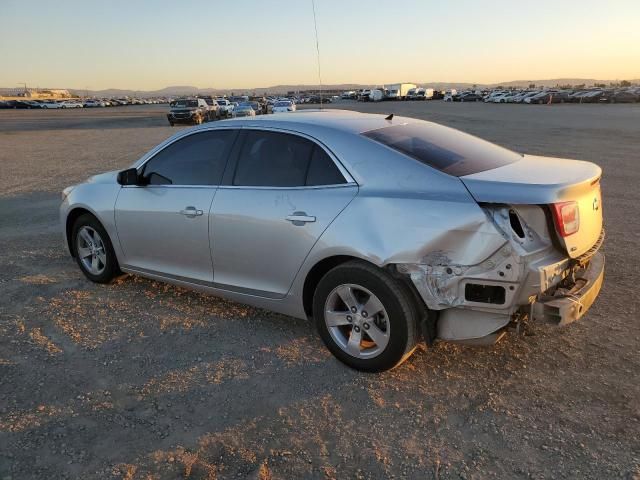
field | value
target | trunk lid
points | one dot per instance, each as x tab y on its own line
545	181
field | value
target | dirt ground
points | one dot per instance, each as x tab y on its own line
139	379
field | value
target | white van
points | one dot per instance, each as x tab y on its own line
376	95
423	94
399	91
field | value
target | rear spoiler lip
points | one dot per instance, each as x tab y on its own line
523	182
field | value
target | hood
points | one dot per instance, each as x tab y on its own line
106	177
533	180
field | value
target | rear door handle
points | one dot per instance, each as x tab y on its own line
191	212
300	218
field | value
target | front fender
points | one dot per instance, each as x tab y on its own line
99	199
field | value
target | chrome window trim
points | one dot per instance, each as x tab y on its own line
247	187
302	187
170	185
170	141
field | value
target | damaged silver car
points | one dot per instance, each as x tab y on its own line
381	229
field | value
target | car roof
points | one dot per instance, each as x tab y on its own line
333	119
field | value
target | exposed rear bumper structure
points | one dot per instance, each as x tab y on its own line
568	305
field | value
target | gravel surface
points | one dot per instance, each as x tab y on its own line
139	379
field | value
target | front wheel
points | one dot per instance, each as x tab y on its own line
93	250
365	317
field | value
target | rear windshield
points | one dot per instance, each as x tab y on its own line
444	149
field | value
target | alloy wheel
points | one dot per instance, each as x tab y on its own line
91	250
357	321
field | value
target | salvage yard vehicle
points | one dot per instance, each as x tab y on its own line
468	97
226	107
51	104
72	104
189	110
213	109
284	106
424	94
399	91
380	228
243	110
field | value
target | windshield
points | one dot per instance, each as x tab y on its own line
443	148
185	103
222	102
282	104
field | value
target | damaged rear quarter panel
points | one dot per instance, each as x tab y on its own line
439	226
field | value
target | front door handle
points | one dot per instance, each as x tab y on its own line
300	218
191	212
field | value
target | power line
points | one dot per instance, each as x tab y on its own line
315	24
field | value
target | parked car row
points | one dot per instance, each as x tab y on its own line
207	109
550	95
77	103
532	95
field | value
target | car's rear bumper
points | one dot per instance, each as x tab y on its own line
567	305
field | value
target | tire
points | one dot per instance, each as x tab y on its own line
110	269
395	323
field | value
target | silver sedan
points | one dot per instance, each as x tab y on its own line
384	230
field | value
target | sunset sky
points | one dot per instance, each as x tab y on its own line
146	44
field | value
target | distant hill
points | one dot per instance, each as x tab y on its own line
179	90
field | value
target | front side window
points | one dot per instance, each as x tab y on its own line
197	159
273	159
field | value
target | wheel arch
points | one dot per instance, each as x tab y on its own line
72	216
316	273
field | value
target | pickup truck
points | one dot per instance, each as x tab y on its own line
189	110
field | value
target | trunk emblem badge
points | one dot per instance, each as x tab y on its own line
596	204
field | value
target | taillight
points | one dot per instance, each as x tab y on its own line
567	216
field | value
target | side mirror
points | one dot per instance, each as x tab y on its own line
128	177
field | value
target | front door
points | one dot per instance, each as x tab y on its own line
285	191
163	224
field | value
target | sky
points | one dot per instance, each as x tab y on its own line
151	44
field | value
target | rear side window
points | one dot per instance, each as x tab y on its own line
197	159
445	149
273	159
322	170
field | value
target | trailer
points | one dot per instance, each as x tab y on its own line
399	91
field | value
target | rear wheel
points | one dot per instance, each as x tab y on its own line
93	250
365	317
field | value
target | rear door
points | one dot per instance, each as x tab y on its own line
282	192
163	227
